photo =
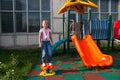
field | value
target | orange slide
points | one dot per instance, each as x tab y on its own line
90	53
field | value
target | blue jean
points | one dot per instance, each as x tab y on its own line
46	51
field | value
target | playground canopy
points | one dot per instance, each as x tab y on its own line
77	5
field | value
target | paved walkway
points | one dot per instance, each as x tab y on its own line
72	68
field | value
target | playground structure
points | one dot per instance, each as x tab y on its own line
79	6
98	28
87	47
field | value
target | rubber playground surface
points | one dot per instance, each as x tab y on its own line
70	67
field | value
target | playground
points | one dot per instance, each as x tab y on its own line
71	67
85	61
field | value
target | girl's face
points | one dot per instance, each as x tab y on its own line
45	24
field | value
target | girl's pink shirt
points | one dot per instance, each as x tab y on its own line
45	34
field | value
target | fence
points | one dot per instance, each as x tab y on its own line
99	29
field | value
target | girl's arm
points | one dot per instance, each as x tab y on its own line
51	38
40	41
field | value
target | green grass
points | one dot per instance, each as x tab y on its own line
16	64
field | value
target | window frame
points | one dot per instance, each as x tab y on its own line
14	11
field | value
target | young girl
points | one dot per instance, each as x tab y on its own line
45	42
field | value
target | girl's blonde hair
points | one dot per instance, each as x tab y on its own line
46	21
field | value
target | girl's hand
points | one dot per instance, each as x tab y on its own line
51	43
40	45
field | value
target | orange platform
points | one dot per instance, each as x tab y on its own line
90	53
47	70
47	67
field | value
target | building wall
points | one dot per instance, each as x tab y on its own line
23	40
57	19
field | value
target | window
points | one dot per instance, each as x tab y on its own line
114	16
95	9
33	5
23	15
33	22
20	22
46	15
45	4
85	16
20	5
114	5
7	22
104	5
94	15
6	5
73	17
114	9
104	15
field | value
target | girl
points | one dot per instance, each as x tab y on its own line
45	42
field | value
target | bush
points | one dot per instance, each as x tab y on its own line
16	64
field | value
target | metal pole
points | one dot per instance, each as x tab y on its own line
109	31
90	22
81	26
68	44
63	21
